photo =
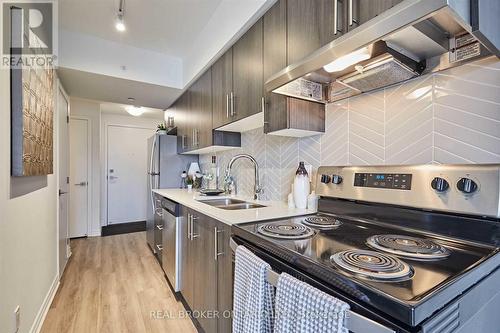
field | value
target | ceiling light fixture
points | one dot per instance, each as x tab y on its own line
120	24
135	111
347	60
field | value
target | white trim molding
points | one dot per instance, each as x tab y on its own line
44	308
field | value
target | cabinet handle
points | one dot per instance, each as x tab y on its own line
159	212
184	141
232	104
227	106
193	235
159	247
197	132
159	227
189	227
351	19
216	243
336	17
263	105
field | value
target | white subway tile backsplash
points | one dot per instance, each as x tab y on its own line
449	117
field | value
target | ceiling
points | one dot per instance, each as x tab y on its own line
166	26
111	89
119	109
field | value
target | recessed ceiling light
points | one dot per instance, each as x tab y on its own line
135	111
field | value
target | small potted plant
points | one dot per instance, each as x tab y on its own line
161	129
189	183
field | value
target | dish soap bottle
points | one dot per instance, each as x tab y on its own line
301	187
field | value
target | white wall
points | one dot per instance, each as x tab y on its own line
91	110
111	119
28	232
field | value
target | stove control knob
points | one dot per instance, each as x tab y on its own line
440	184
467	185
325	179
336	179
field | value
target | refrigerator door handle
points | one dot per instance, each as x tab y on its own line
151	172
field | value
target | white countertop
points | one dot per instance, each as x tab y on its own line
193	200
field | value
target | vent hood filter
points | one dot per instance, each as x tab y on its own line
380	75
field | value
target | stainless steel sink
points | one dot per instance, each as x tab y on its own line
231	204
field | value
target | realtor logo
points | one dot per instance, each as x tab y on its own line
28	32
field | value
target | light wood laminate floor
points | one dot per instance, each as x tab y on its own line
112	284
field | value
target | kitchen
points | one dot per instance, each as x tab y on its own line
326	157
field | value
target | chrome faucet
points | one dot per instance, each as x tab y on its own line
257	188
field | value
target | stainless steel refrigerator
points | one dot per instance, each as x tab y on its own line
165	167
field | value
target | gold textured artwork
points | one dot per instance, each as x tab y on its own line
32	121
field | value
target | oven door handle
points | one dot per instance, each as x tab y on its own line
355	323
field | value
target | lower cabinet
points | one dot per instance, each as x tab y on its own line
207	270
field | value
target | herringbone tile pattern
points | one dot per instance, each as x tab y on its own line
449	117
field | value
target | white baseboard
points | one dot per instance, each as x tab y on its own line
42	313
95	233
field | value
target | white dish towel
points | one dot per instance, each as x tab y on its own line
305	309
253	297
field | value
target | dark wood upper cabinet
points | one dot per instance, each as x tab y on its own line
285	115
362	11
303	29
222	85
275	47
183	123
201	107
247	73
331	19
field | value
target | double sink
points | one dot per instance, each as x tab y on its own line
231	204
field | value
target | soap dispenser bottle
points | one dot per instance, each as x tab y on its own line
301	187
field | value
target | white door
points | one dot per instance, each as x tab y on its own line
127	170
63	159
79	178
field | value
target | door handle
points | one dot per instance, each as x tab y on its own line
193	235
83	183
232	104
351	18
112	177
336	17
216	243
62	192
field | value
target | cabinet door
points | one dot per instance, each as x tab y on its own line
247	73
225	277
303	29
201	111
183	121
187	259
331	18
274	24
362	11
205	281
222	85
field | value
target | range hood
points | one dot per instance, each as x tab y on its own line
412	38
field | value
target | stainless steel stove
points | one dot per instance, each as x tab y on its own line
406	246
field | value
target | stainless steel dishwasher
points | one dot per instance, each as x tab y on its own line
171	254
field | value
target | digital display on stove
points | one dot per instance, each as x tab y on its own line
396	181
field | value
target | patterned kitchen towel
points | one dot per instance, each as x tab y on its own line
253	296
303	308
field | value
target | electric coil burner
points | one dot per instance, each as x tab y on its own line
285	230
373	265
407	246
322	222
